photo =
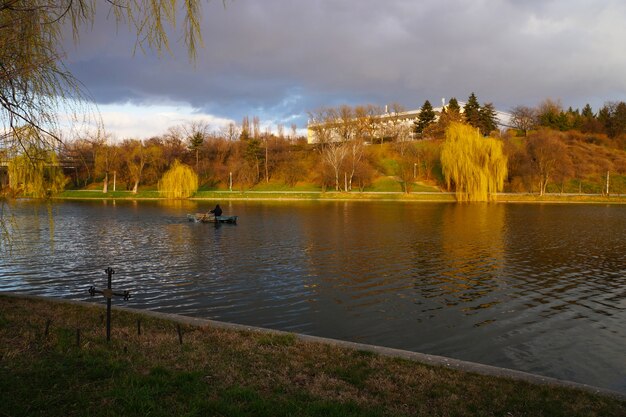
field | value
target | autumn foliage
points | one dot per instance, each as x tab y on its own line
36	173
180	181
475	165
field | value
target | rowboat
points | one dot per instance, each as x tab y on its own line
210	218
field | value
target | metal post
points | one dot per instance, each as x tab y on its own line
108	293
110	273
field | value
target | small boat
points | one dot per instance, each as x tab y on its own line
210	218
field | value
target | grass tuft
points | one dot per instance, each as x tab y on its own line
277	340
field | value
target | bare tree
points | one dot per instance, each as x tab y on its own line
355	151
294	131
547	153
256	127
523	118
334	154
230	132
106	160
321	125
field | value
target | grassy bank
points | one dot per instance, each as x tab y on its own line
332	195
262	195
561	198
232	373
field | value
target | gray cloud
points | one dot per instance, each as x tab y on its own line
279	59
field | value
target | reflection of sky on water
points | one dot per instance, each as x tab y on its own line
539	288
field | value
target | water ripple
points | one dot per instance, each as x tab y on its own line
539	288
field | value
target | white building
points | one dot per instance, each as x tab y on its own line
403	122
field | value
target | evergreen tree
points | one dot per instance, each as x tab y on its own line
245	129
196	139
453	106
488	119
551	114
471	111
588	112
452	111
574	119
590	122
425	118
619	120
613	117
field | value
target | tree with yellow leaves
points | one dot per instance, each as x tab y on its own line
180	181
476	165
36	173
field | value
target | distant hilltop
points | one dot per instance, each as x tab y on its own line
381	121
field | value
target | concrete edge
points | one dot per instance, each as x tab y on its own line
432	360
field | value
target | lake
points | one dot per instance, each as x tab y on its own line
535	287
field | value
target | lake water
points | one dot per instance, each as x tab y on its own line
538	288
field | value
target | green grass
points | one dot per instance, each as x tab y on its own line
393	184
385	184
557	198
419	192
277	186
232	373
98	194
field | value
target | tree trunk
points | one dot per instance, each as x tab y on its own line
105	186
543	184
267	172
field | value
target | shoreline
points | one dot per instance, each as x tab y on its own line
421	358
419	197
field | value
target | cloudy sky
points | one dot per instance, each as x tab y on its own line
279	59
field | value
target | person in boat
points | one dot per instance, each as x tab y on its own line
217	211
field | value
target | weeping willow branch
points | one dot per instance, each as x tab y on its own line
40	98
475	165
36	174
35	86
180	181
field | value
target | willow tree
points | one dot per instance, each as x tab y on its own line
180	181
476	165
36	86
36	174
